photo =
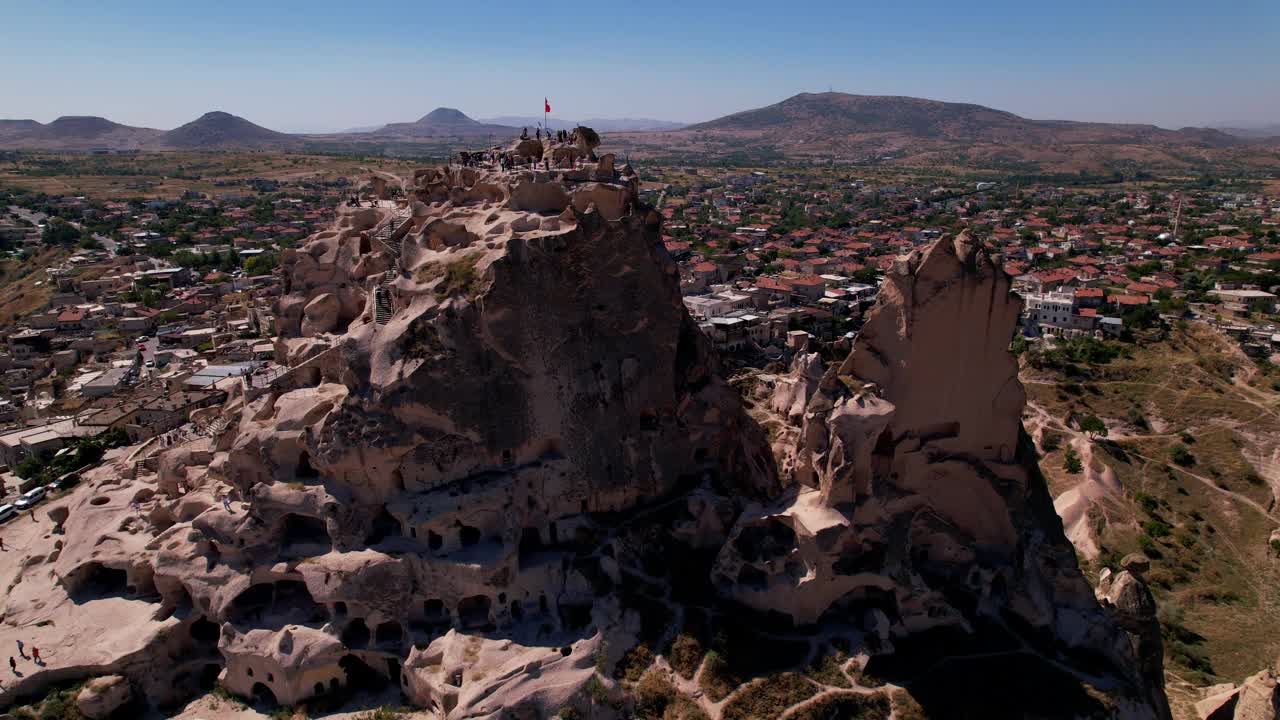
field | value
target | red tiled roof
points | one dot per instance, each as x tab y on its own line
768	283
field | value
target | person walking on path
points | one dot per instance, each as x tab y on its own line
2	547
13	665
35	653
21	650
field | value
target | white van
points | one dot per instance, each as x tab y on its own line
7	512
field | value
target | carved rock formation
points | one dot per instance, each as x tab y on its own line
916	506
502	459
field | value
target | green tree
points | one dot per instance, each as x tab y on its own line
1071	462
59	232
261	264
1093	425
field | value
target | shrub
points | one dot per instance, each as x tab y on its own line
1149	547
686	654
1050	441
1182	456
1156	528
1148	503
652	694
717	681
635	662
1071	462
905	707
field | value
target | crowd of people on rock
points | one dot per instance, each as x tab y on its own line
561	135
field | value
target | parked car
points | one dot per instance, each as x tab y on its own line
64	482
30	498
7	513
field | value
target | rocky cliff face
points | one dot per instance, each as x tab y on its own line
503	473
917	508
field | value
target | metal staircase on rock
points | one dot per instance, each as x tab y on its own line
383	301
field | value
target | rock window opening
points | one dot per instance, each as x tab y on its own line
385	525
304	469
388	633
473	612
355	635
433	609
469	535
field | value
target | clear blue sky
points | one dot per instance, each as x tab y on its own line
325	65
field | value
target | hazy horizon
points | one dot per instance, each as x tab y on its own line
325	66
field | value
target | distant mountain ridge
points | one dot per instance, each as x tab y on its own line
75	132
1258	132
830	127
815	115
221	130
442	122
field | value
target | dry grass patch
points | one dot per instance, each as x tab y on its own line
846	706
769	698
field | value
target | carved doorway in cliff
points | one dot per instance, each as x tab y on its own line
263	696
360	676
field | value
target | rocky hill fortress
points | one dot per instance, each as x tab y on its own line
500	468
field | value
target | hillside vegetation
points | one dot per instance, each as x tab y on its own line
1178	440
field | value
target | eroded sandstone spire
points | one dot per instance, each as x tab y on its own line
917	509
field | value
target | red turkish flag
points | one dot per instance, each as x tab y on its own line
546	105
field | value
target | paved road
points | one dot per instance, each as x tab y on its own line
38	218
148	353
28	215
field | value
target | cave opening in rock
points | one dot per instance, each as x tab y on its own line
355	634
298	531
385	525
276	604
263	696
205	632
388	633
574	616
209	676
530	546
95	581
469	535
473	612
433	610
360	676
434	540
304	470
